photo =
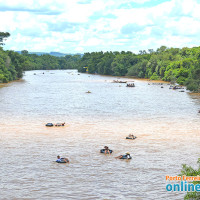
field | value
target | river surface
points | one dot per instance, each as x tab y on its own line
166	123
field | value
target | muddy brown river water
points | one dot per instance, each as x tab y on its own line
166	123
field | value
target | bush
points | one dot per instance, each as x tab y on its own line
155	76
181	80
193	86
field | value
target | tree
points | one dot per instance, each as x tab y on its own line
161	49
139	69
142	52
24	52
3	36
150	51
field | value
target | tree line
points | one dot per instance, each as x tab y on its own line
13	64
167	64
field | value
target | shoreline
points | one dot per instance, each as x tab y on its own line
5	84
130	77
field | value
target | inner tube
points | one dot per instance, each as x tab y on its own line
125	157
62	161
131	138
60	124
103	151
49	124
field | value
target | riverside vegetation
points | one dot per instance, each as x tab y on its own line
189	171
168	64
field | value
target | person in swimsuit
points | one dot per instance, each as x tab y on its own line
127	156
107	150
59	159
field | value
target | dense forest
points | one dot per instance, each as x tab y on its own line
169	64
12	64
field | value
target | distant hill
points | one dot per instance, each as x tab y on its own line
57	54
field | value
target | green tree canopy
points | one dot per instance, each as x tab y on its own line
3	36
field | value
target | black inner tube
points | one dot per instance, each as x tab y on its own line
131	138
125	157
103	151
62	161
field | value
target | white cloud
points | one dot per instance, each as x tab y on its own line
79	49
88	25
91	42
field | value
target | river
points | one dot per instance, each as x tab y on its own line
166	123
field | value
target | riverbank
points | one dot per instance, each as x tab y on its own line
168	64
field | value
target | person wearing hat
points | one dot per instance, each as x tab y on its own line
128	156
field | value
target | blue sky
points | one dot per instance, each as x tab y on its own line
78	26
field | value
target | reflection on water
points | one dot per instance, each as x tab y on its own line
166	123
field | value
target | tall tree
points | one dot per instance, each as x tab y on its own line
3	37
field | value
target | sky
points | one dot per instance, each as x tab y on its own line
79	26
